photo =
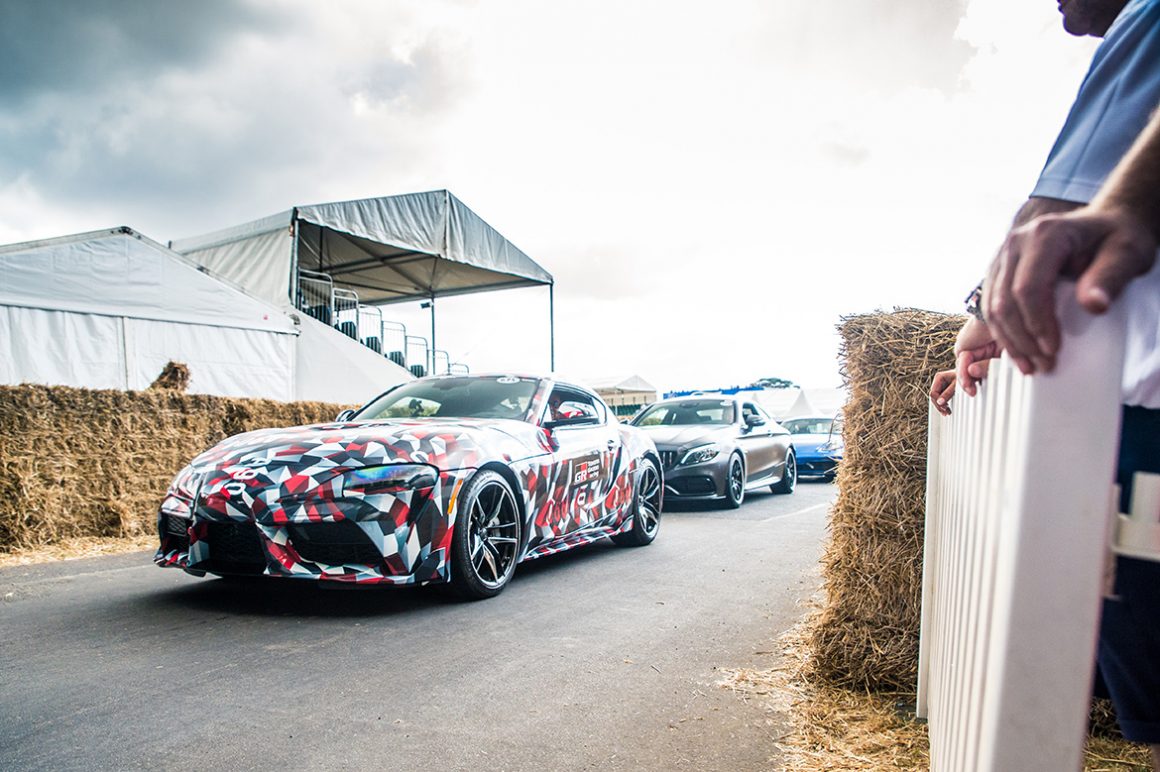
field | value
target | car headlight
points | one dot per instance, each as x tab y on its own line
391	478
701	454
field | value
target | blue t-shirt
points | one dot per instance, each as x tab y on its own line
1119	93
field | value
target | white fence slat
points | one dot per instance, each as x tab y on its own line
1016	535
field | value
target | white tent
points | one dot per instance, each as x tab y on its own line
418	246
109	309
801	407
777	401
827	402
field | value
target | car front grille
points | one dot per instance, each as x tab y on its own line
668	458
334	544
176	526
235	546
692	486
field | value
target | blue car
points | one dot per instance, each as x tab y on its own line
818	442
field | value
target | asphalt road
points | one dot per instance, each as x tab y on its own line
601	658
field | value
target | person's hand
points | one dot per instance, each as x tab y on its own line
975	347
1105	248
941	391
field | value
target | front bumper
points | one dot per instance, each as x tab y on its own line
709	480
405	541
817	464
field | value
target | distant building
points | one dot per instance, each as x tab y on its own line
625	395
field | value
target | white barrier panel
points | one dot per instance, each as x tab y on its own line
1019	494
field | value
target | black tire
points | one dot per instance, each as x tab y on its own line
646	508
735	483
788	479
486	543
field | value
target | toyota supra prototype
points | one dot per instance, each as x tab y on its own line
449	479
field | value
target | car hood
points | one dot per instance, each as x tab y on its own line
687	436
440	442
808	441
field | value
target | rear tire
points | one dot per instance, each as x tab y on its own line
486	543
646	509
788	479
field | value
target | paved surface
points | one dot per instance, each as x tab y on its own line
602	658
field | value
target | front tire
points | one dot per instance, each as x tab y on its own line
735	483
788	479
646	509
486	543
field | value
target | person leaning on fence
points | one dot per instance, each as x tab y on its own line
1094	216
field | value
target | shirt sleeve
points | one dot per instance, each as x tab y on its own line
1113	105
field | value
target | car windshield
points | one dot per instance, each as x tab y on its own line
807	425
457	397
686	413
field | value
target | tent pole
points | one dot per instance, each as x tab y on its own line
552	326
433	346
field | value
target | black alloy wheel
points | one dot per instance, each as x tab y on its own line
486	544
788	479
735	483
646	508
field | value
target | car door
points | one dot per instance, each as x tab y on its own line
585	460
759	440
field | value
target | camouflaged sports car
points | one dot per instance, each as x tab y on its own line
448	479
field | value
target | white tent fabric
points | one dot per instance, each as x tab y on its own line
620	383
335	368
389	249
827	401
109	309
801	407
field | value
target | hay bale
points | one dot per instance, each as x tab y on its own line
85	463
866	635
174	377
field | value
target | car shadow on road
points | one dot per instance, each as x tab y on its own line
272	597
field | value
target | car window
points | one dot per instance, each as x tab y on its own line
687	413
458	397
808	425
565	400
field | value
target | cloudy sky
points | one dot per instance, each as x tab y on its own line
712	185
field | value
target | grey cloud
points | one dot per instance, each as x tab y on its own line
199	142
68	45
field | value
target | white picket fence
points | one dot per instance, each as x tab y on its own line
1019	507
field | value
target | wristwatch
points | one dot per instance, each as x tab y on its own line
973	300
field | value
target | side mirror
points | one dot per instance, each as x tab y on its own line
345	415
753	420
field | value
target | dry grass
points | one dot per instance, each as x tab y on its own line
72	549
866	636
174	376
838	728
86	464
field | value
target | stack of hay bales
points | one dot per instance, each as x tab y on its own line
866	634
82	463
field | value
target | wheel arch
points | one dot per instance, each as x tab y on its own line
518	493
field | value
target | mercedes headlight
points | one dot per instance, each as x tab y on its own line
701	454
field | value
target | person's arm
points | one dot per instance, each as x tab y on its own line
1105	244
